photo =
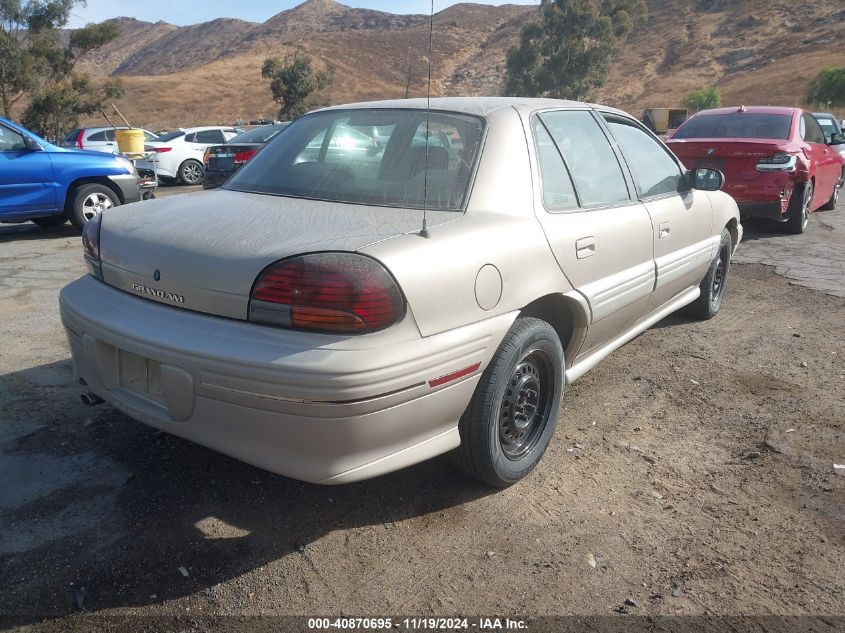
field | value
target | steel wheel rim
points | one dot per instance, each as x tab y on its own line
95	204
526	404
719	277
193	173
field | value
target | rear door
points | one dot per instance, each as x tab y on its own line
26	176
681	218
826	159
600	234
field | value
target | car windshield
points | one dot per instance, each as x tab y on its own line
170	136
261	134
736	125
374	157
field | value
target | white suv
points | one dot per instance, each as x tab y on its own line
179	154
98	139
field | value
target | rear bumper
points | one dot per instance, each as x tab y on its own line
213	179
312	407
763	210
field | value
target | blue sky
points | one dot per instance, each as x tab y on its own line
194	11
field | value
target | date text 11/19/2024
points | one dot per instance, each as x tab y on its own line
419	624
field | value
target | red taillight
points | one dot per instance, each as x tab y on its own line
244	155
206	156
162	150
328	292
79	138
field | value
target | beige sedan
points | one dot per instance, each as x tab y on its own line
387	282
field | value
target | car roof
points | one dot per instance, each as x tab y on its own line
751	110
479	106
189	130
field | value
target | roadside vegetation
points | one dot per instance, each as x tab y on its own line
295	82
704	99
37	66
828	88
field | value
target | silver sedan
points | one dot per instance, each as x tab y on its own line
387	282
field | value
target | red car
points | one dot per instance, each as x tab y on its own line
776	162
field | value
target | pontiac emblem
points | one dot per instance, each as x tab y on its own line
157	274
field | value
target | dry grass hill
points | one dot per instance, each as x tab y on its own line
757	51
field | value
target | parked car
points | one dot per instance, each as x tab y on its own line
776	161
50	185
830	127
98	139
179	153
333	319
221	161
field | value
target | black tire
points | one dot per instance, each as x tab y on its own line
510	421
191	172
715	281
800	204
830	205
50	220
90	200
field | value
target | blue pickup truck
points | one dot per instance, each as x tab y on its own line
50	185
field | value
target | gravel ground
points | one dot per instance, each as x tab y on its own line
691	473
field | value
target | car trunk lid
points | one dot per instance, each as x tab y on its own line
203	251
736	158
230	157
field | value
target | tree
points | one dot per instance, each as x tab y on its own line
28	34
828	88
65	95
703	99
293	81
568	53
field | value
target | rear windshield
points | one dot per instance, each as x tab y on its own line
736	125
261	134
828	125
393	158
170	136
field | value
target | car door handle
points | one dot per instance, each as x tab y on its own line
585	247
664	230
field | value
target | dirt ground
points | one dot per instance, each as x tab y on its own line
691	473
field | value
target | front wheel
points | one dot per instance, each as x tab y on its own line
800	206
90	201
510	421
190	172
714	283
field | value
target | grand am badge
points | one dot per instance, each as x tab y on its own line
159	294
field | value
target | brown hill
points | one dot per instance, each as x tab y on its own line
756	51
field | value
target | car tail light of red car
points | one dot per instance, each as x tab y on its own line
327	292
780	161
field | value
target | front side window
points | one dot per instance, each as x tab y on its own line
393	158
655	172
556	184
11	141
589	156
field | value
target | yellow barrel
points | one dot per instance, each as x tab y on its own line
130	141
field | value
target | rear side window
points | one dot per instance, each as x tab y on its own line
98	136
208	136
392	158
558	192
811	131
736	125
655	172
589	156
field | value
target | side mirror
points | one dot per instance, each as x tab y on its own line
837	139
707	179
31	145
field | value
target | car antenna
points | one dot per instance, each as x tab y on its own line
424	230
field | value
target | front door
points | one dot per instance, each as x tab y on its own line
26	177
682	218
825	157
600	236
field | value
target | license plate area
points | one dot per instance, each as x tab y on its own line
141	376
712	163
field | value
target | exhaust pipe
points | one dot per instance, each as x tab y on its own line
90	399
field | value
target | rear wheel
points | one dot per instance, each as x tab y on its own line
90	201
714	283
799	208
51	220
830	205
190	172
512	416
